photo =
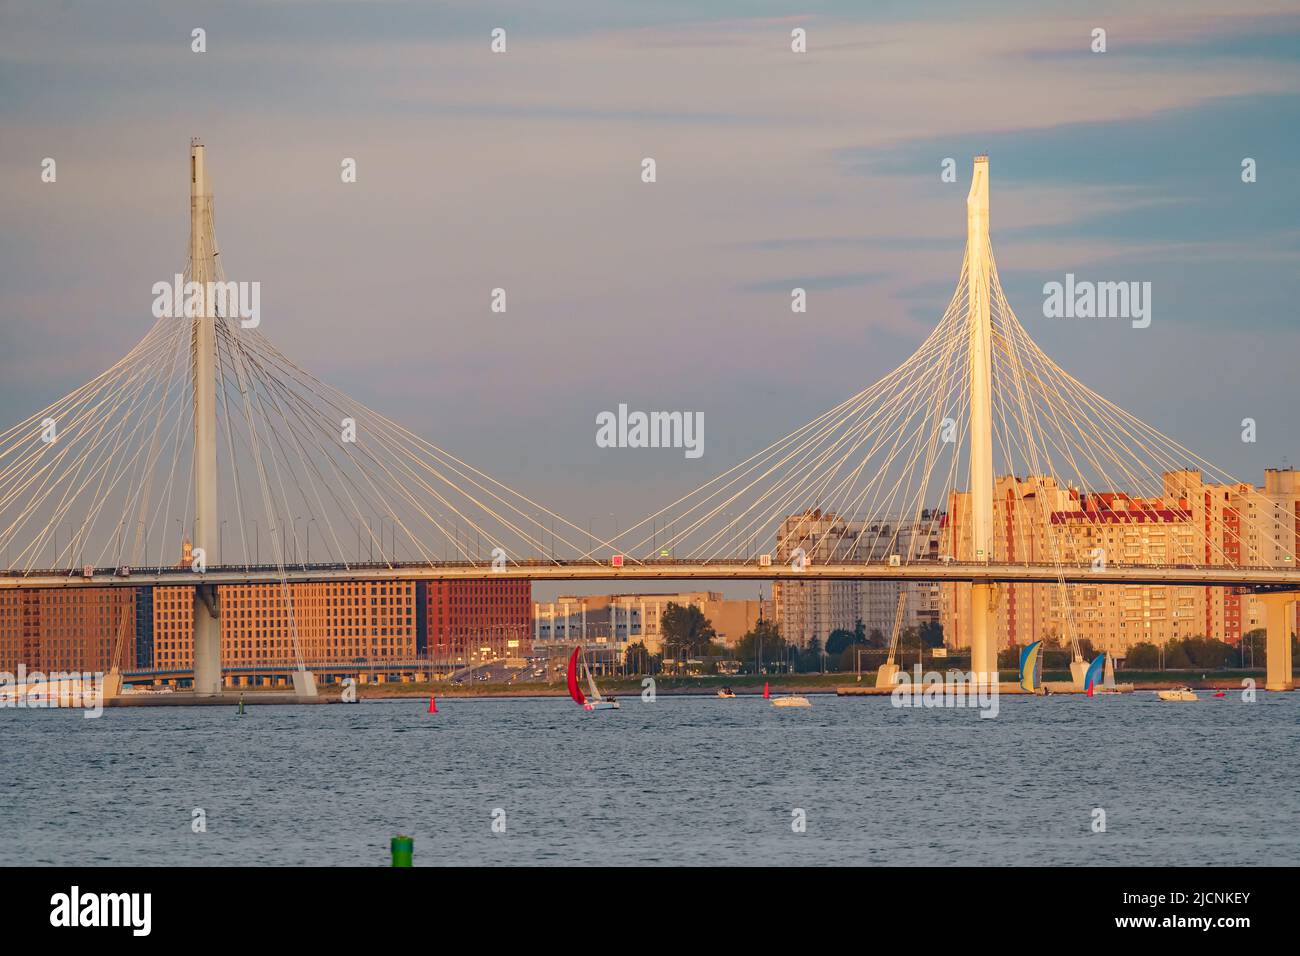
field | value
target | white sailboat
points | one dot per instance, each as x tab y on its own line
1108	685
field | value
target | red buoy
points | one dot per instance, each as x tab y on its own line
433	705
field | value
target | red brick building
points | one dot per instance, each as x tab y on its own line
474	619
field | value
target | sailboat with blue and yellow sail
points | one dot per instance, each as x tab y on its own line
1031	668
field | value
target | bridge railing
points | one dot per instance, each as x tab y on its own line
541	563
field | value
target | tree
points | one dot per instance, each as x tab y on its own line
932	634
686	631
839	640
1142	656
1253	648
638	659
763	642
1194	652
809	659
1208	652
876	639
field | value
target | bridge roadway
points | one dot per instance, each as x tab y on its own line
734	569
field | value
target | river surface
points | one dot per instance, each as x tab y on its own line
677	781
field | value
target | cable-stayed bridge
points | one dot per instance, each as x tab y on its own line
206	457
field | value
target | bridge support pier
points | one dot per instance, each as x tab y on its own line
983	642
207	641
1277	619
304	683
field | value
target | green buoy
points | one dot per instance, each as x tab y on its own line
241	705
403	848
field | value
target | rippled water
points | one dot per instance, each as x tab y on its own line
678	781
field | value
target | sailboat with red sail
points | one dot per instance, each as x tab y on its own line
593	700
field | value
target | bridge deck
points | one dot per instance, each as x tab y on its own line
1264	578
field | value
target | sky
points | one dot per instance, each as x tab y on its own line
522	171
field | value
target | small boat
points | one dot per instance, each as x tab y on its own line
1220	694
1181	693
726	693
595	700
789	700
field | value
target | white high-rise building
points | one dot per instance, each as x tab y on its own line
813	609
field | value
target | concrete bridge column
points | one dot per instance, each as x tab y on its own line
983	644
983	641
1278	621
203	270
207	640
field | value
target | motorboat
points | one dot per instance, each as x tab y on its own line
790	700
1180	693
726	693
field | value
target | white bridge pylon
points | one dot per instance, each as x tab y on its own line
979	266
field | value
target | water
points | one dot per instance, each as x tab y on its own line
683	780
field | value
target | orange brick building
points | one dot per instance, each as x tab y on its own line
335	622
66	629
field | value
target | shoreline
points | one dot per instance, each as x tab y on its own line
821	684
835	684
